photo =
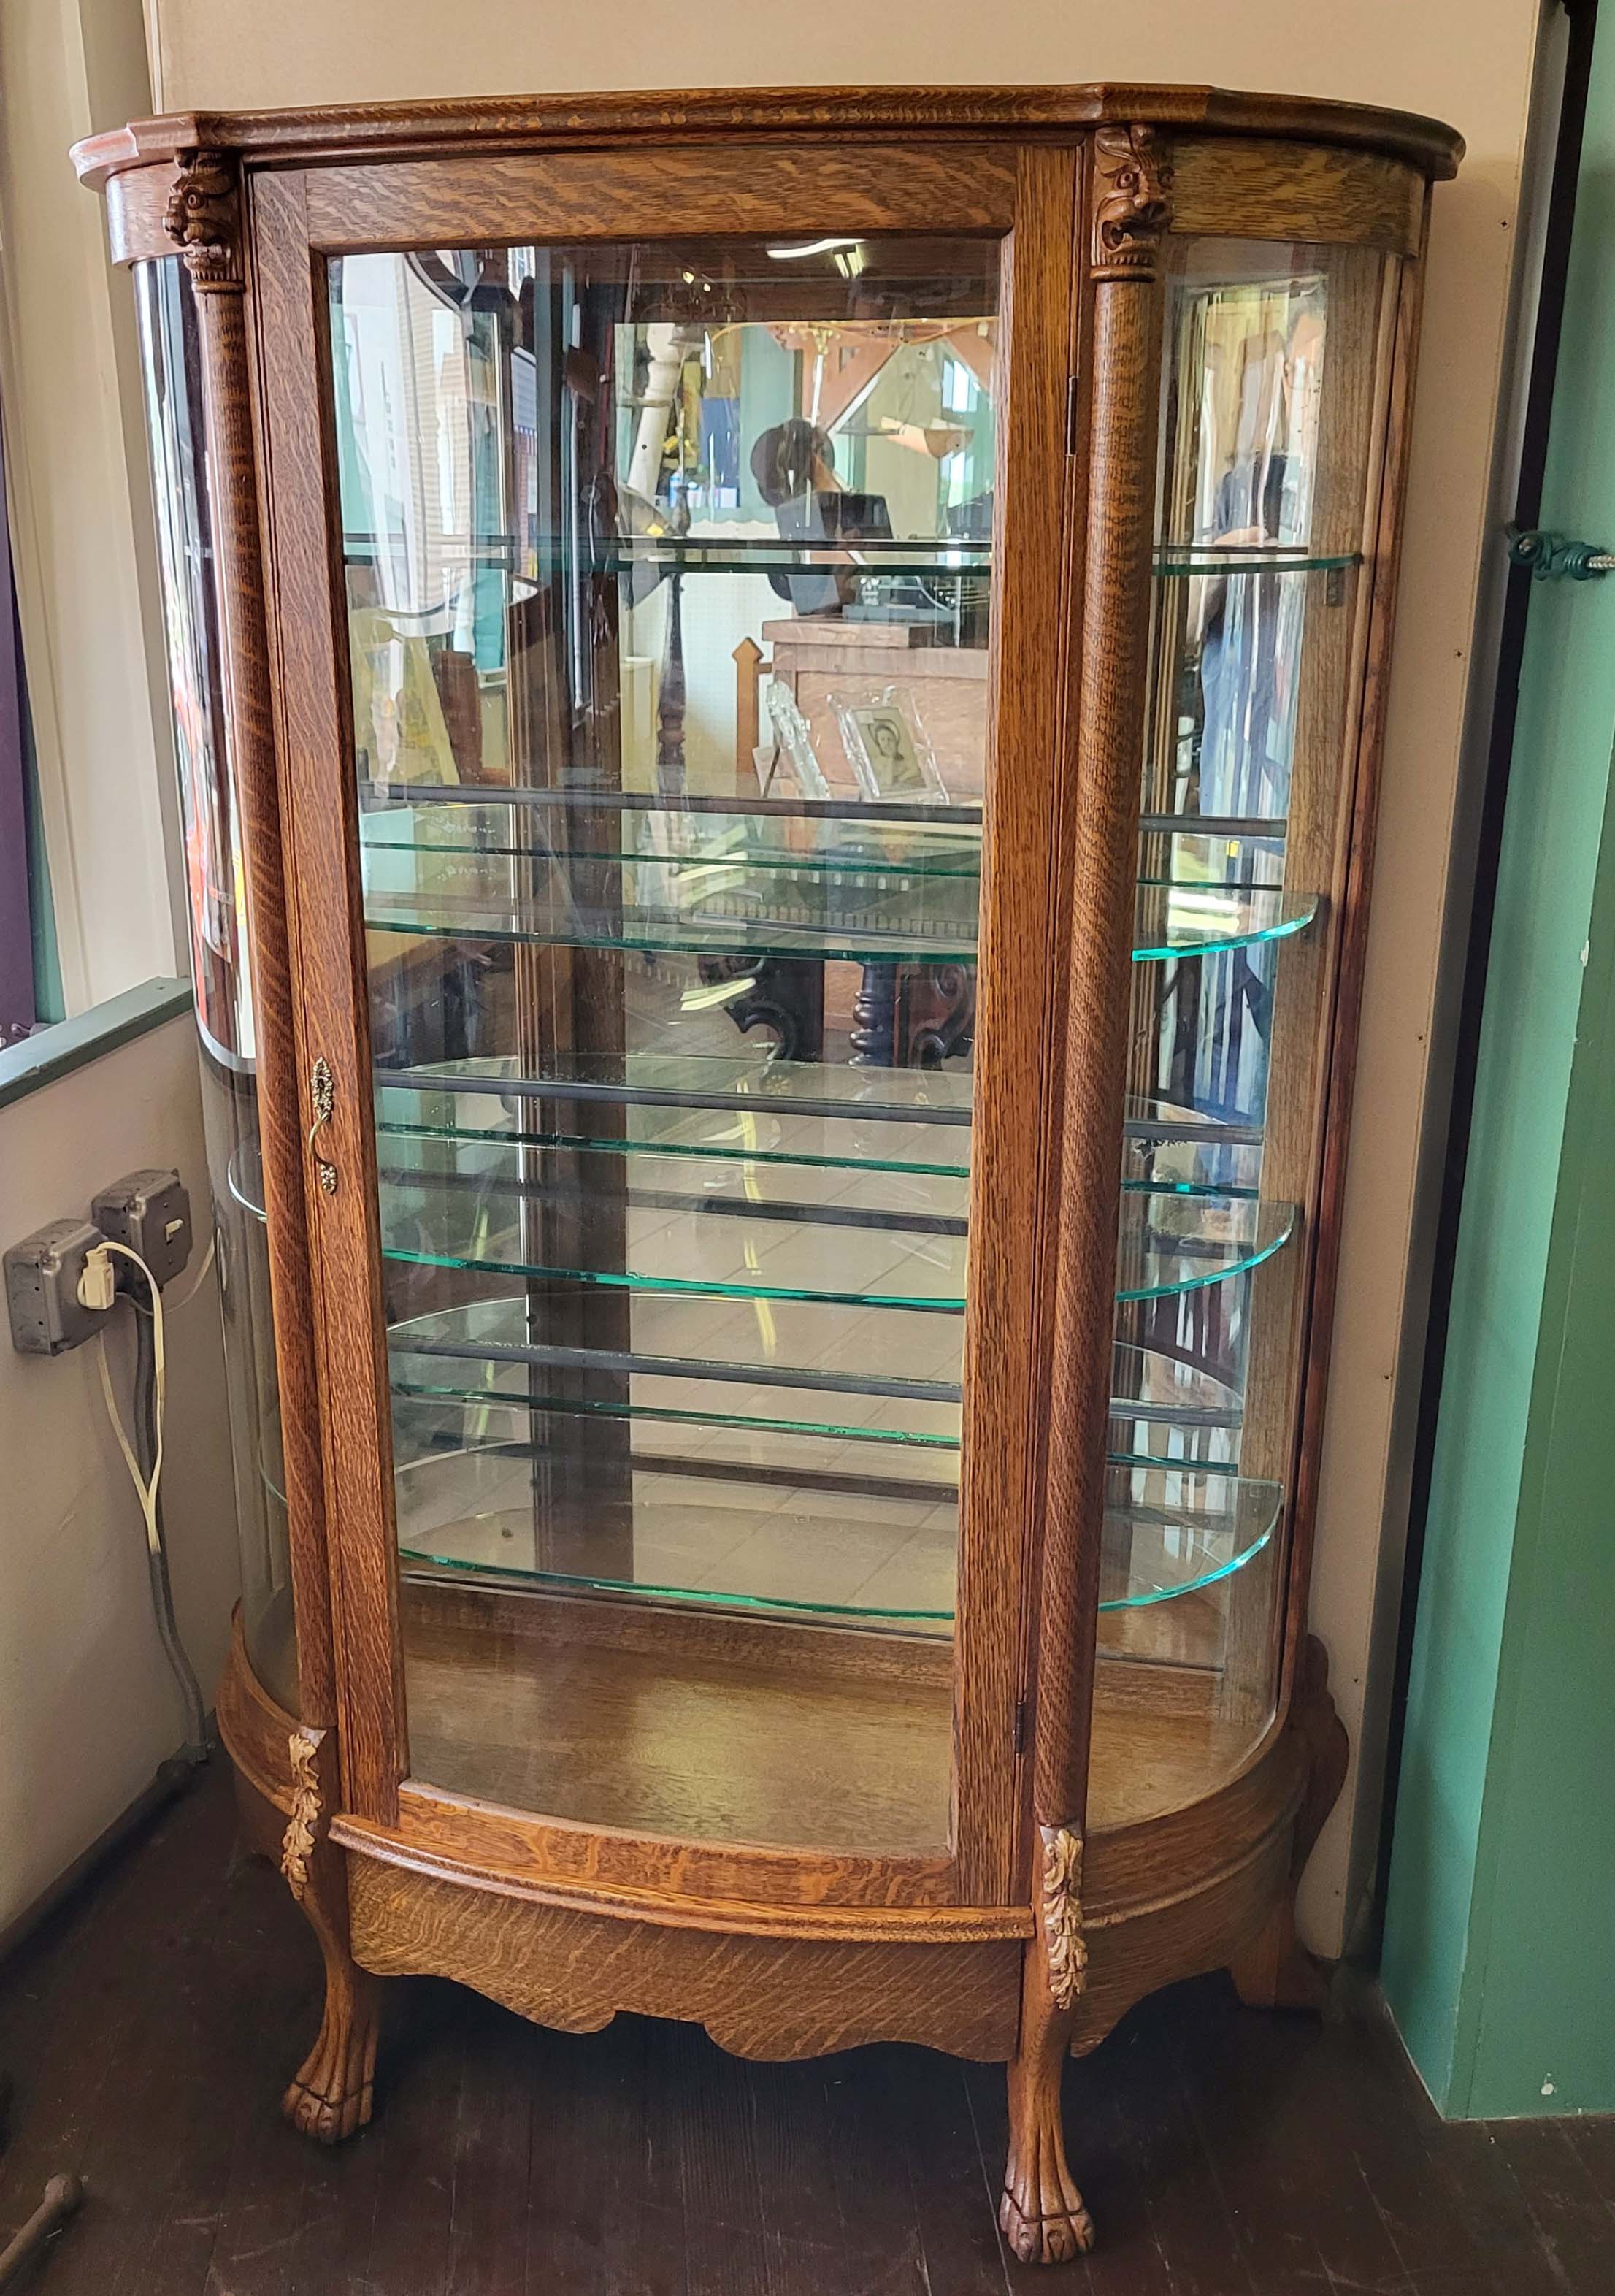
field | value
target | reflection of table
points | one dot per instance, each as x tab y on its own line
826	655
908	1013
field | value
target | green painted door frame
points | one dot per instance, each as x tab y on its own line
1499	1953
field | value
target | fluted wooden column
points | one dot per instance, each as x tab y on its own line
1042	2214
203	218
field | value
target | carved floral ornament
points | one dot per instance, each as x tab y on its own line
302	1830
201	219
1131	201
1062	1913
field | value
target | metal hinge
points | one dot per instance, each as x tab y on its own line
1555	557
1073	398
1021	1727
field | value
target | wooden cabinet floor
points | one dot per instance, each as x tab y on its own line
1232	2154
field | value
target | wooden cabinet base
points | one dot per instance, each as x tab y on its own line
1209	1886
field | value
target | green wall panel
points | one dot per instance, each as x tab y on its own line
1501	1910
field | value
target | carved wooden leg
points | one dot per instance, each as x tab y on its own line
1042	2215
1275	1971
330	2097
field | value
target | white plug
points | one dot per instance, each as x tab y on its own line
98	1281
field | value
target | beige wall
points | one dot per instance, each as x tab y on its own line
88	1707
1470	61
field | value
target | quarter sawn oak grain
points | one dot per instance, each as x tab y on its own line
874	1872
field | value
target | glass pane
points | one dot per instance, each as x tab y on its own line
669	576
1271	400
216	886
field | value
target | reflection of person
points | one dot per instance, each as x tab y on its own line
793	465
793	459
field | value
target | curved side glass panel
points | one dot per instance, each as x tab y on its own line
1272	407
216	886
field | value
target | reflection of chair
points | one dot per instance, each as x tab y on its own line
913	1016
786	995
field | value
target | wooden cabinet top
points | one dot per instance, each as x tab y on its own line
349	132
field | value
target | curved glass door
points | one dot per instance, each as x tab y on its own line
668	575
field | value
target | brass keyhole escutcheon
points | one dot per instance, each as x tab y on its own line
322	1095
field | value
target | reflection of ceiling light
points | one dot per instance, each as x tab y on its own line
849	262
809	247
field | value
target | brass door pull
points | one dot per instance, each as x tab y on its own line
322	1094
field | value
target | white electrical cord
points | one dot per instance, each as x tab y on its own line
97	1289
146	1491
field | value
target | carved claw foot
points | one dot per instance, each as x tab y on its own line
332	2095
1041	2214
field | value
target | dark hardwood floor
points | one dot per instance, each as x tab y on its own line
150	2027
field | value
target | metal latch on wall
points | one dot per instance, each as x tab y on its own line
1555	557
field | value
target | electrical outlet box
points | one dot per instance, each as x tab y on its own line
42	1275
150	1213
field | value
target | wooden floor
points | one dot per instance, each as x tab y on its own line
149	2029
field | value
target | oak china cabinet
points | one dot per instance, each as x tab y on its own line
777	698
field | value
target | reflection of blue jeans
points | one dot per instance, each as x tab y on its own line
720	442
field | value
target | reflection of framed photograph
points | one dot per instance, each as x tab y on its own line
792	744
888	749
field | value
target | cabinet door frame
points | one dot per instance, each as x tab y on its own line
1027	195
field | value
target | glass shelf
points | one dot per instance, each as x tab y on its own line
944	557
760	1111
886	1562
816	1367
807	1143
1172	920
922	557
395	800
1169	1534
403	797
1167	1412
704	1228
1192	1421
1179	920
1174	560
667	1093
893	930
711	1081
1247	828
1175	1241
1176	1151
697	851
1187	1160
